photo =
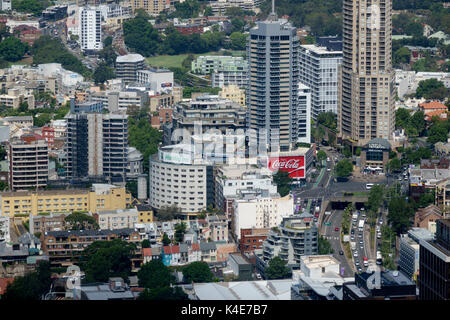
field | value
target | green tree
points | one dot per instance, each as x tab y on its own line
237	24
343	168
3	153
108	41
103	73
108	54
180	230
155	274
402	56
414	29
141	36
104	259
132	187
80	221
324	246
167	213
12	49
402	117
395	165
283	182
50	50
144	138
187	9
3	186
208	12
417	122
163	293
31	286
145	243
238	41
42	119
400	214
197	272
438	131
375	202
321	155
276	269
30	6
328	119
429	88
166	240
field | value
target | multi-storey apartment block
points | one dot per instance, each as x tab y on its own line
367	82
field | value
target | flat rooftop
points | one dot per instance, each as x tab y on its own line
319	261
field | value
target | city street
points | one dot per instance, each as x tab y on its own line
328	231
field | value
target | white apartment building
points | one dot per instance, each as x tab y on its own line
5	5
4	229
319	71
221	79
177	181
120	100
160	80
261	212
60	127
238	180
118	219
304	113
90	29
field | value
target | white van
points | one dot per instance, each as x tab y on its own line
369	186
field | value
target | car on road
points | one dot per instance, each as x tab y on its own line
359	270
336	229
353	231
352	237
369	186
360	235
366	262
355	254
361	245
379	235
363	215
328	159
328	169
361	241
341	252
357	263
381	221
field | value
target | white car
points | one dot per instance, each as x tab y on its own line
355	254
328	169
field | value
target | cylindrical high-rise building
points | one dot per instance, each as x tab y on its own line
272	53
366	86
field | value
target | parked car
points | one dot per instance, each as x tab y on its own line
341	252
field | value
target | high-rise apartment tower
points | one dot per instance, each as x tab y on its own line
272	53
366	86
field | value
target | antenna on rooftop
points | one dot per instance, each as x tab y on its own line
272	16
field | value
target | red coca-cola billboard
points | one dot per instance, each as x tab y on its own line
295	165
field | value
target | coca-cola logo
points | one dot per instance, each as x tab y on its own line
294	165
290	164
